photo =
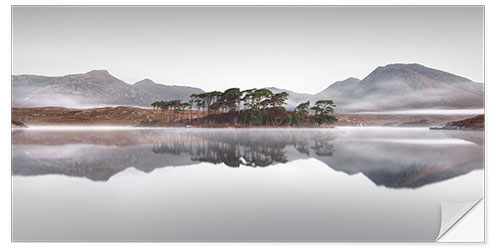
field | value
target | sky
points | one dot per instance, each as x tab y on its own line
303	49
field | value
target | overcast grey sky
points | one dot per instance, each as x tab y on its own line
303	49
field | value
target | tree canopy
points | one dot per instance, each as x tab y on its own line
251	106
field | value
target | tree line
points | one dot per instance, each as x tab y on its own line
259	107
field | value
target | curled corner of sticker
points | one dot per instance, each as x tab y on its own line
452	213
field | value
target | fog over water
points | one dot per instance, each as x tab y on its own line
177	184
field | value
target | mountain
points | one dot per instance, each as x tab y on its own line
404	86
159	91
294	98
94	88
339	91
387	88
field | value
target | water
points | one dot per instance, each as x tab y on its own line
343	184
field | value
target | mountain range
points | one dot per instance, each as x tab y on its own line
92	89
390	87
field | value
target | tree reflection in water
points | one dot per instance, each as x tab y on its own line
392	158
254	150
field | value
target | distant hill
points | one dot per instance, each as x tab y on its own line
387	88
294	98
159	91
94	88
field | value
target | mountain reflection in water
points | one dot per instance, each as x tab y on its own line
395	158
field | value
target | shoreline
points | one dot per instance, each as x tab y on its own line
149	118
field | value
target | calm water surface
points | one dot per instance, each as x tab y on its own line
343	184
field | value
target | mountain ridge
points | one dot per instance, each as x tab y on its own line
91	89
391	87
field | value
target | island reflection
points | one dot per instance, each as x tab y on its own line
390	158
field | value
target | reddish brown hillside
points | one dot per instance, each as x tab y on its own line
96	116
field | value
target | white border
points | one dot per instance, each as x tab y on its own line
492	79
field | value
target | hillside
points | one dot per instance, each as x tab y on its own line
158	91
340	91
92	89
294	98
405	86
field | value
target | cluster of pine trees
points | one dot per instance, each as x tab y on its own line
259	107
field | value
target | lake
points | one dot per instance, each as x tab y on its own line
180	184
